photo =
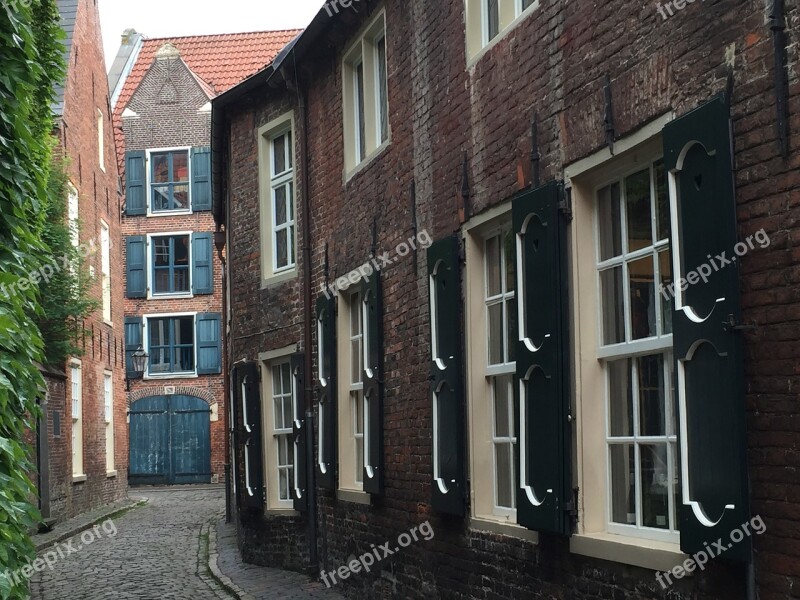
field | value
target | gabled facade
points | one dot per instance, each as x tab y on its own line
82	438
538	333
173	271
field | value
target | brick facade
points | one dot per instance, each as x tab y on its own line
553	62
86	97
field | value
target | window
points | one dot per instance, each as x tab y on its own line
108	406
282	173
352	409
169	181
171	345
488	20
100	141
72	215
277	204
170	260
105	269
283	407
633	261
366	95
76	396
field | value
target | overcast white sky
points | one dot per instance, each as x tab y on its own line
163	18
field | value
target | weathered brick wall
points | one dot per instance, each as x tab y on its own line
86	92
168	103
553	63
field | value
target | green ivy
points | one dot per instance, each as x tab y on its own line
30	65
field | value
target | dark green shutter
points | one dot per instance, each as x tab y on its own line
326	392
300	484
248	394
202	263
135	266
708	354
201	179
541	385
133	341
447	386
373	384
209	346
135	183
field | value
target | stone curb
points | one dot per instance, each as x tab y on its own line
79	526
213	564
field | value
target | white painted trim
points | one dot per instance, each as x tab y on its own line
149	265
148	191
146	345
648	554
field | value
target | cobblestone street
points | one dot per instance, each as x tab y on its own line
160	550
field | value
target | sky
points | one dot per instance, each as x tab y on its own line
166	18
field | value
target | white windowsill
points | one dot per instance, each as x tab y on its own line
171	376
648	554
281	512
109	323
509	529
348	175
181	296
168	213
355	496
79	478
111	474
281	277
501	35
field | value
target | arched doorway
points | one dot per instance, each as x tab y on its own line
170	441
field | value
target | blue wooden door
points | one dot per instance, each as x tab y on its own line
170	441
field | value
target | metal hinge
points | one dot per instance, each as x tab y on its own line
565	204
730	324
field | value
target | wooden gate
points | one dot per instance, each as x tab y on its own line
170	441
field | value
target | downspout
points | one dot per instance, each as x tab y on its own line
777	23
308	319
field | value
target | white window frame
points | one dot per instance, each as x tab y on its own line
73	214
322	405
108	409
101	142
364	51
76	400
150	264
511	14
149	175
268	181
278	181
146	339
105	270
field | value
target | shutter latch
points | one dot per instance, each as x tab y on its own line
730	324
565	204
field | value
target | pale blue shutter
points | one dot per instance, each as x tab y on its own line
209	347
135	183
133	339
201	178
135	266
202	263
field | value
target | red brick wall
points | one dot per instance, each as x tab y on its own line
554	64
86	91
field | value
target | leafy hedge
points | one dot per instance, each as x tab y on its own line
30	64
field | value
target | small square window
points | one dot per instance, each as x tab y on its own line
171	345
170	264
169	181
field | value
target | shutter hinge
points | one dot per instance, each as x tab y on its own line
730	324
565	204
571	509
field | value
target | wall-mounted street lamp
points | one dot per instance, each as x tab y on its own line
139	363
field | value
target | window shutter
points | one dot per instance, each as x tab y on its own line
135	183
133	339
234	428
326	392
447	386
136	267
708	354
201	178
202	263
248	394
300	483
373	384
209	351
542	382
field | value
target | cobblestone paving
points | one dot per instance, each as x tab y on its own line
156	553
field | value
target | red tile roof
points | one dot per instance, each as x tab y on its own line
221	61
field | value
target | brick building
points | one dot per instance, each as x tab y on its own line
82	437
173	274
541	280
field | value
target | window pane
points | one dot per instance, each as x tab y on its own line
623	484
609	222
494	266
181	279
161	282
360	118
280	205
642	290
355	361
283	449
620	396
161	251
663	224
181	246
502	406
355	315
383	90
186	360
511	327
358	414
279	155
180	197
286	375
676	484
289	149
493	16
277	383
160	172
180	166
282	253
290	188
287	412
495	333
161	198
613	306
278	411
655	485
504	473
508	258
284	484
637	199
359	466
652	395
184	330
667	296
